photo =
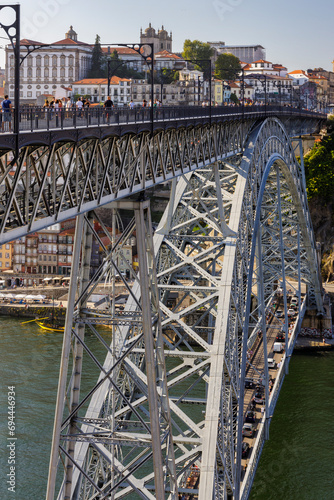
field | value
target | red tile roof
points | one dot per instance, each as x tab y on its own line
165	53
261	61
69	41
297	72
114	80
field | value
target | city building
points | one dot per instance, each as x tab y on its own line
48	69
96	89
246	53
6	256
222	92
299	77
160	39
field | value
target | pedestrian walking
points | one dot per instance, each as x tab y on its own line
6	113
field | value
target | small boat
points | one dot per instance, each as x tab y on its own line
50	327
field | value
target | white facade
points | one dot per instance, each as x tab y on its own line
48	69
97	89
299	77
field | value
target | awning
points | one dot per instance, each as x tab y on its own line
66	279
47	279
2	281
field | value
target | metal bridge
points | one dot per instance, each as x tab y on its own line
164	415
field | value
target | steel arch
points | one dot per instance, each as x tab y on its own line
232	231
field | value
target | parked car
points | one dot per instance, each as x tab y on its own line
279	313
294	301
280	337
250	417
245	449
259	398
248	430
271	363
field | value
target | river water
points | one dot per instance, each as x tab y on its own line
295	464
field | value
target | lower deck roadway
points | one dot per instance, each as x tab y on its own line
255	370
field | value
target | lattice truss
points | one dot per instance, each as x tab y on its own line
56	182
198	292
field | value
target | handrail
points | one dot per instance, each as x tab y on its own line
35	118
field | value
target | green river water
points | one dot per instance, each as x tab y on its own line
296	463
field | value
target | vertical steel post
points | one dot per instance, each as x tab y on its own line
66	350
86	251
149	351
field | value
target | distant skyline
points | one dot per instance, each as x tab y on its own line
297	34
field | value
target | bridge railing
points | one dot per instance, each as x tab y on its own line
33	118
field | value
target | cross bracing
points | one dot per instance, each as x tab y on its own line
235	230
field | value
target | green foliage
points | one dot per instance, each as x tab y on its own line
198	51
234	99
319	170
97	60
118	67
227	67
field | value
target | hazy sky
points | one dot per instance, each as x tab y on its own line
296	33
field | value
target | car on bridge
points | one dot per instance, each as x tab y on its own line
291	312
279	313
259	398
250	417
280	337
248	430
271	363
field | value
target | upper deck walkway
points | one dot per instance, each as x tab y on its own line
47	125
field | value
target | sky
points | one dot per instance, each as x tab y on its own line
295	33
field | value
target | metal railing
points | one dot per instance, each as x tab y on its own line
38	118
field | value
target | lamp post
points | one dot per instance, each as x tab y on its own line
148	57
13	33
196	61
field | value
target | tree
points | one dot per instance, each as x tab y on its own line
319	170
227	67
96	70
118	67
198	51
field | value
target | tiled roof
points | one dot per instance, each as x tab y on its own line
298	72
114	80
261	61
120	51
69	41
165	53
26	41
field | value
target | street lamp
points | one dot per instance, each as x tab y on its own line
148	57
13	33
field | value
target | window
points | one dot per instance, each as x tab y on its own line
62	72
89	90
0	255
70	71
7	246
82	91
38	72
38	61
7	264
46	73
29	94
54	60
54	72
46	61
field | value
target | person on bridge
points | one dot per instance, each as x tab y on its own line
7	115
108	105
